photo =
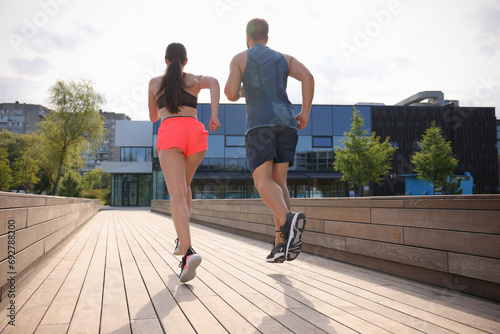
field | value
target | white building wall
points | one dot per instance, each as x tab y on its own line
134	134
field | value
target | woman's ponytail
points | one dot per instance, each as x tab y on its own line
172	82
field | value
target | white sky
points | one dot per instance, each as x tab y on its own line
359	51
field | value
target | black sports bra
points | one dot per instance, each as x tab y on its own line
187	100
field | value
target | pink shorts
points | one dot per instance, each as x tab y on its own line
186	133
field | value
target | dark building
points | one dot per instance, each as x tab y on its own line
471	131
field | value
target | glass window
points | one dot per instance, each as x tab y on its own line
235	152
304	145
235	119
235	141
136	154
322	141
342	118
215	147
322	122
235	164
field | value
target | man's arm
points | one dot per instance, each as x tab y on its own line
233	83
300	72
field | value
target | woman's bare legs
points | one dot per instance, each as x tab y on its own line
178	172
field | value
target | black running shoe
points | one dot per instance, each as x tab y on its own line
188	265
292	234
277	254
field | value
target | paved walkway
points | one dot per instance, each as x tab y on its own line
117	275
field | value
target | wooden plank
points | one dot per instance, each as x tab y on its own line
232	321
324	240
87	313
393	234
139	304
360	215
171	317
10	202
456	220
465	203
459	242
52	329
146	326
473	266
62	308
17	215
114	317
369	202
425	258
23	259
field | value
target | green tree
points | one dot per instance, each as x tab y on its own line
25	169
435	162
71	184
5	171
24	157
92	179
75	126
364	158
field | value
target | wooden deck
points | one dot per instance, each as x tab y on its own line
117	274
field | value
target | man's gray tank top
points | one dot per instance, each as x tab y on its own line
264	82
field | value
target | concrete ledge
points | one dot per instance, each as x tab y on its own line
32	225
449	241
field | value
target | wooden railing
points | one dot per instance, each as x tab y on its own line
32	225
449	241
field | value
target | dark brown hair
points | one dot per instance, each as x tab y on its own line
171	84
258	29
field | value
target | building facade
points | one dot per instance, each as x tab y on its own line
21	117
130	163
106	151
224	172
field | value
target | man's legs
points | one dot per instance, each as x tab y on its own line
270	181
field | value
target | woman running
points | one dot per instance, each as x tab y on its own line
182	141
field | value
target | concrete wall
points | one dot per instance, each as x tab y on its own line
32	225
448	241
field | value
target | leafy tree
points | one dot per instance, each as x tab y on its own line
92	179
435	162
25	169
452	188
364	158
73	127
5	171
71	184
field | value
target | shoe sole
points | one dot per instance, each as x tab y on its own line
294	243
276	259
190	272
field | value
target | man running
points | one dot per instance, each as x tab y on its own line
271	128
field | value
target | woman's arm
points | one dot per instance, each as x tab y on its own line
212	84
152	106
